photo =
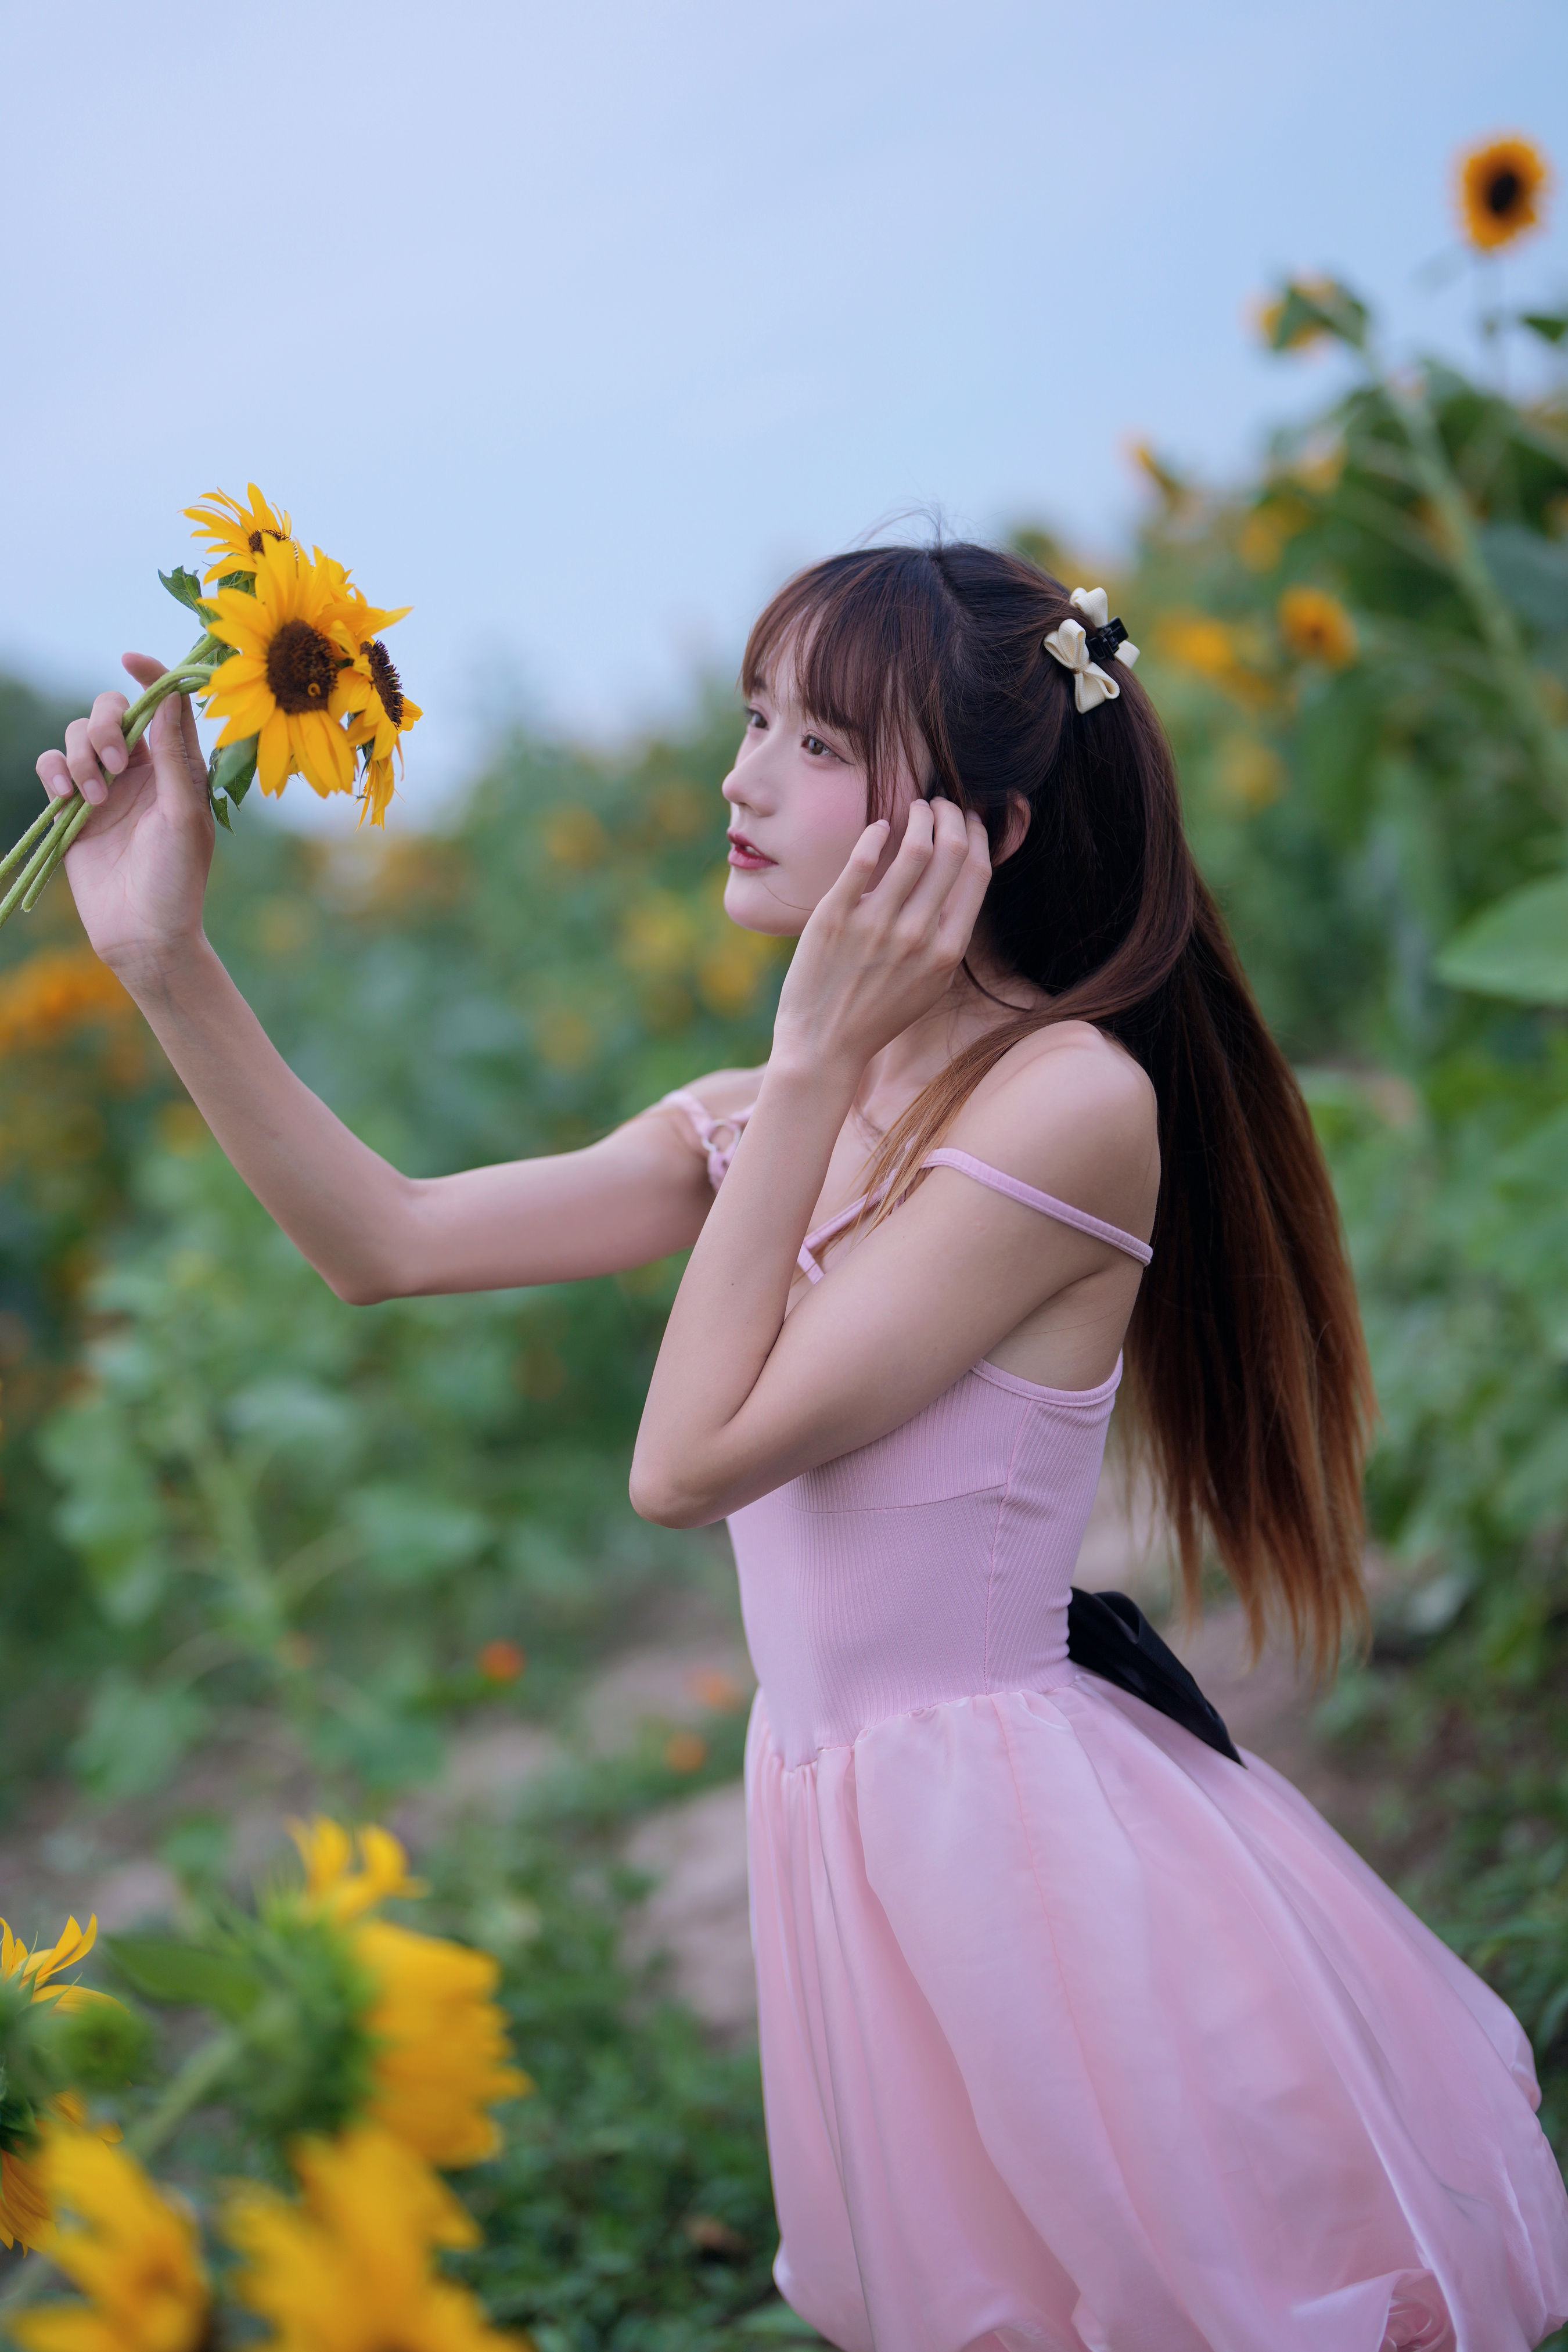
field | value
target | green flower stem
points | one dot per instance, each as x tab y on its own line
59	814
46	815
200	2075
61	820
60	841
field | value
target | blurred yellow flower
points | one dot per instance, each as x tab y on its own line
1315	626
439	2038
55	992
237	534
1249	772
441	2043
657	935
286	685
1500	189
347	1874
23	2192
729	975
134	2255
565	1038
574	837
347	2268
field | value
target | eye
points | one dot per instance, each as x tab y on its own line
816	747
754	717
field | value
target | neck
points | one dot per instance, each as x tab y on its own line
972	1007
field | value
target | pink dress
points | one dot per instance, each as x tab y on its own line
1076	2034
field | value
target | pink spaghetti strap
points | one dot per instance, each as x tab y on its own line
709	1129
1048	1206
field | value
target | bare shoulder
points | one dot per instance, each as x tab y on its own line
1070	1111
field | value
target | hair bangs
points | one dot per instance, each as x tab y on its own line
860	635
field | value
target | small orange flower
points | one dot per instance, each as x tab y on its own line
501	1661
686	1751
1500	190
1316	626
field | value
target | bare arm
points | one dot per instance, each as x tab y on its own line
748	1390
138	871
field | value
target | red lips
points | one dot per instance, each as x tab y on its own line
745	856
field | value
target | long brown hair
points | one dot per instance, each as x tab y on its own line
1248	1373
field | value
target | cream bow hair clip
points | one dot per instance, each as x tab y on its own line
1083	650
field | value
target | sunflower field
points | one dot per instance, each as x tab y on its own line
243	1521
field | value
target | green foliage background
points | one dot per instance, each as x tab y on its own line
226	1493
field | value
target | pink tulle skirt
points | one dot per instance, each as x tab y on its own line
1075	2035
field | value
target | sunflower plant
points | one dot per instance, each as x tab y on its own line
357	2060
291	660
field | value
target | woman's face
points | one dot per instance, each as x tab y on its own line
797	807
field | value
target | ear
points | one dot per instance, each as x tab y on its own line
1015	831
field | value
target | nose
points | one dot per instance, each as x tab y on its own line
748	790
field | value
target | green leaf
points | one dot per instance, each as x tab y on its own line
1517	947
134	1734
1532	572
1323	307
182	1975
185	588
220	809
1549	325
233	770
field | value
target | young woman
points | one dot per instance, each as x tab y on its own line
1076	2032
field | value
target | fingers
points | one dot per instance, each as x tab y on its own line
178	762
143	668
961	908
931	858
94	748
53	776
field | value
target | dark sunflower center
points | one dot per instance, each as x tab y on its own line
1504	190
258	536
385	678
301	668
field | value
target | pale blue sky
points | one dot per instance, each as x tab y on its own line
577	327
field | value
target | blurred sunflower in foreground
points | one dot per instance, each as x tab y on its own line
1500	188
24	1981
347	2268
436	2032
135	2257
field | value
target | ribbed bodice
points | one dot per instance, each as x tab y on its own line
930	1565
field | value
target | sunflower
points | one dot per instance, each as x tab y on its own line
382	711
335	1889
237	534
134	2256
442	2048
286	685
347	2268
24	2191
439	2039
1317	628
1500	188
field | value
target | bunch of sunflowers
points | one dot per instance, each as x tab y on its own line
362	2054
292	659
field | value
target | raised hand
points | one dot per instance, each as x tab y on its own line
872	960
138	868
